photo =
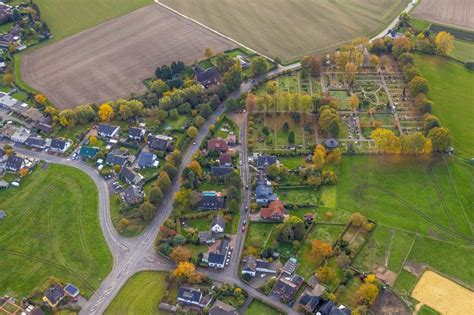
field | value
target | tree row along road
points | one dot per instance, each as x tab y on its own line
131	255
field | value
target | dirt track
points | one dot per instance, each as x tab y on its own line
112	59
454	12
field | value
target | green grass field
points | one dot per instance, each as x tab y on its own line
291	29
430	197
52	229
463	50
68	17
140	295
257	307
451	91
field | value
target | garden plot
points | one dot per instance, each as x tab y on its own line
294	83
343	97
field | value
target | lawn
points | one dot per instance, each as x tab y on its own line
202	224
131	298
52	229
68	17
463	50
451	91
260	308
291	29
292	162
258	234
299	195
428	196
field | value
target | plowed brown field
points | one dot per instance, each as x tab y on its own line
454	12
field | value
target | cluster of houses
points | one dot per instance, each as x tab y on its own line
13	164
57	293
25	136
8	305
220	251
196	299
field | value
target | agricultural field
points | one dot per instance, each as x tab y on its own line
451	91
52	229
463	50
84	14
72	72
453	12
131	298
421	209
291	29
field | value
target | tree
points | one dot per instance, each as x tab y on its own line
354	102
313	64
320	249
329	121
374	60
358	220
386	141
117	168
200	121
441	139
159	87
8	79
106	112
291	137
180	254
208	53
418	85
250	102
40	99
444	43
319	156
233	78
272	87
401	45
325	274
430	122
188	271
192	132
23	172
414	143
223	62
67	118
423	103
366	294
156	195
163	181
146	211
195	167
350	71
334	157
93	140
259	66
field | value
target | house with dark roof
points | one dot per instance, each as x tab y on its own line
225	159
217	259
71	290
14	163
218	225
88	152
220	171
252	265
5	13
35	142
231	140
310	303
218	145
208	77
330	308
132	195
54	295
205	237
274	212
290	267
211	200
130	177
135	133
147	160
44	127
107	131
221	308
286	287
114	159
264	195
266	160
59	145
193	296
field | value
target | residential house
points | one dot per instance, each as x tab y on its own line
218	145
217	259
211	200
130	177
59	145
114	159
309	302
107	131
14	163
253	265
221	308
330	308
266	160
287	286
290	267
208	77
10	38
147	160
132	195
218	225
205	237
88	152
231	140
21	135
264	195
225	159
219	171
35	142
193	297
159	142
135	133
274	212
54	295
5	13
71	290
44	125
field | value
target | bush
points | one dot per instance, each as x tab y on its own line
470	64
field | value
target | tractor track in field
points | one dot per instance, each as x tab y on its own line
358	195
